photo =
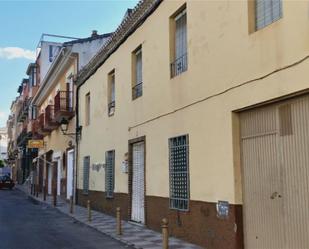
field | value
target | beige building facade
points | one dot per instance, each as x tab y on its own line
198	134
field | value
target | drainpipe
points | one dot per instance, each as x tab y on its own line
77	137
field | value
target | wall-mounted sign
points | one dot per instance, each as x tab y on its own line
35	144
98	166
223	209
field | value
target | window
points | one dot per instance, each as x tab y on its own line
111	93
179	43
86	175
87	111
109	173
267	12
179	172
137	88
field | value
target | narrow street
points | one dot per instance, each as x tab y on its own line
25	225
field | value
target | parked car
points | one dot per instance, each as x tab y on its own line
6	182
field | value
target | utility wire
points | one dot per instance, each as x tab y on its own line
223	92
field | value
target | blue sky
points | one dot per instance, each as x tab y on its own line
23	22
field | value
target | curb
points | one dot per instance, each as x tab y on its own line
42	203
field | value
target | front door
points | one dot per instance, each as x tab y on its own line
70	164
275	145
138	183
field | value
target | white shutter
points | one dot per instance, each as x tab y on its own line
138	184
139	77
181	35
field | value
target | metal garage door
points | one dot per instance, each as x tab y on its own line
138	183
275	159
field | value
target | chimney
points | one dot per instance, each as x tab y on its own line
94	33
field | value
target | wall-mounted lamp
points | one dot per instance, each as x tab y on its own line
64	128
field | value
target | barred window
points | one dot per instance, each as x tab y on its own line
179	172
86	175
179	64
109	173
267	12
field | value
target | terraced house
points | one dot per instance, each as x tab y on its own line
54	115
197	111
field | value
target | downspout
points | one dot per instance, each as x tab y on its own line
77	136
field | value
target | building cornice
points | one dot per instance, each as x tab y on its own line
64	57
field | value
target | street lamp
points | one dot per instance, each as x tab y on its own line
64	123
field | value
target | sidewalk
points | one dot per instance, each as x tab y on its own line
133	235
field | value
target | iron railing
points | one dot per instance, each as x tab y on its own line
64	101
179	66
111	108
50	115
137	90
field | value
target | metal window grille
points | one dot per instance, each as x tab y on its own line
109	173
180	64
267	12
86	175
137	89
179	172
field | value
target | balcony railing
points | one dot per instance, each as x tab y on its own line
64	105
179	65
50	121
23	113
137	90
111	108
42	129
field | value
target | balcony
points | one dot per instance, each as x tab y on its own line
42	129
23	113
137	90
64	105
111	108
50	121
179	66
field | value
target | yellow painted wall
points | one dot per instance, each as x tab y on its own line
221	55
56	141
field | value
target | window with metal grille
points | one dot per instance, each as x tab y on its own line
180	63
179	172
109	173
137	89
86	175
267	12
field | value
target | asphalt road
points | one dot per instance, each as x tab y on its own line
25	225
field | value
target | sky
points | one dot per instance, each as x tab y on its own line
23	22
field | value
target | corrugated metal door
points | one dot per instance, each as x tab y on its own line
138	183
275	145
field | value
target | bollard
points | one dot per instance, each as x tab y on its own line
44	193
71	204
164	233
55	197
118	217
37	191
31	189
89	210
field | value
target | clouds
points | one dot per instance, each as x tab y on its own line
16	53
3	118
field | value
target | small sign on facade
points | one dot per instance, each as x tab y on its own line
223	209
35	144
